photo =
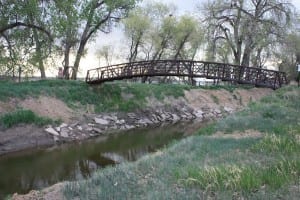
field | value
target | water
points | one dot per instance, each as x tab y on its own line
36	169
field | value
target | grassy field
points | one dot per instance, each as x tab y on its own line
203	167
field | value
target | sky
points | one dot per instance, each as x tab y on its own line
116	37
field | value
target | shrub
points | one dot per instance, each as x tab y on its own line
23	116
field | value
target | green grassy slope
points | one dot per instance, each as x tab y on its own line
106	97
201	167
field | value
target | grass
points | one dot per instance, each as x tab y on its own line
23	117
115	96
204	167
106	97
245	178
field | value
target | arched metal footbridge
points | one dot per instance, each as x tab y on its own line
189	68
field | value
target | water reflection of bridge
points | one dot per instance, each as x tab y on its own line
191	69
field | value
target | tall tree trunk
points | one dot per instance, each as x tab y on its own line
246	56
78	58
66	74
237	39
134	48
39	56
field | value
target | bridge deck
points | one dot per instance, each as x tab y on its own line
188	68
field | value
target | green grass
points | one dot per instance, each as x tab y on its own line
114	96
276	113
23	117
203	167
272	143
105	97
243	178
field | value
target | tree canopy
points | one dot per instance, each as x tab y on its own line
244	32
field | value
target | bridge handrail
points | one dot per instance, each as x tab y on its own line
253	75
178	61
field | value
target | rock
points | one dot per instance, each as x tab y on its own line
217	111
114	127
63	125
111	118
131	115
80	128
57	129
97	130
55	138
90	124
129	127
228	109
74	124
52	131
175	118
122	121
89	129
164	117
209	115
64	133
101	121
144	121
198	113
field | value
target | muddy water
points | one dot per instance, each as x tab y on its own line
24	171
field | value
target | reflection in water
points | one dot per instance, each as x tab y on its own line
37	169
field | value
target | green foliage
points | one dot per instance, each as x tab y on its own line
154	33
274	113
208	129
107	97
237	178
272	143
23	116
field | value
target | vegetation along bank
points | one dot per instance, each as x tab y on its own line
44	113
252	154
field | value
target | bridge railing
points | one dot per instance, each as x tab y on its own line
189	68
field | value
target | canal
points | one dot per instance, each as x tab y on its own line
36	169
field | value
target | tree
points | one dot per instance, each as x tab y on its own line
23	31
97	16
136	26
155	32
245	25
146	30
106	52
187	38
66	23
288	54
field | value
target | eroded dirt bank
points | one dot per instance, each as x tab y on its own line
80	124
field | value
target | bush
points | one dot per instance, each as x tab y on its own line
23	116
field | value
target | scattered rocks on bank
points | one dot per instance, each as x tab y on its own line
95	125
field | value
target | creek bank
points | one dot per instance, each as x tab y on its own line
107	123
197	104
